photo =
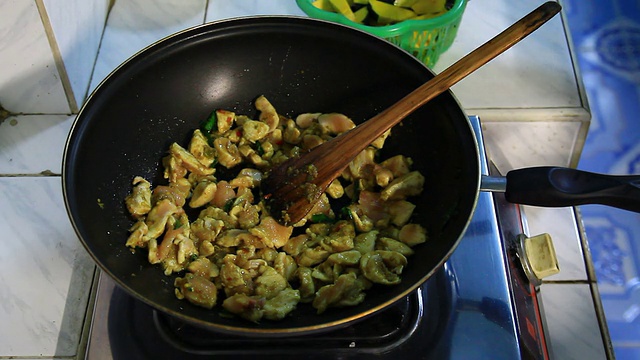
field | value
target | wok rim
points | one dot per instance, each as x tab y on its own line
198	31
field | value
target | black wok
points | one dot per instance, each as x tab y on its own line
301	65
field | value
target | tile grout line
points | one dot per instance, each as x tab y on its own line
57	56
593	288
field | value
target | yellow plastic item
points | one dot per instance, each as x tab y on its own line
390	12
424	7
323	5
404	3
343	7
361	14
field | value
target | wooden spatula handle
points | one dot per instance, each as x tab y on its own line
377	125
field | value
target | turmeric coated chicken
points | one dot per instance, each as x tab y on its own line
233	255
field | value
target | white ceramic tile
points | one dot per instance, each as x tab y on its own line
31	144
29	79
534	73
44	270
77	28
222	9
134	24
560	223
515	144
573	331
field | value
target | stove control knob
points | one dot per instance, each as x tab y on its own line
538	257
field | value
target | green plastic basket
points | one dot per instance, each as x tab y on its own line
425	39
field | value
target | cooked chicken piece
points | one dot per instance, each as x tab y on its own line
157	218
247	307
137	237
278	307
227	152
307	286
199	147
173	169
186	251
234	237
295	245
188	161
252	156
248	178
361	221
412	234
291	133
206	248
285	265
206	229
335	123
235	279
309	141
410	184
203	193
385	243
312	256
213	212
255	130
382	175
272	233
268	114
335	189
224	120
383	266
374	207
139	201
202	266
306	120
222	194
341	237
398	165
345	258
346	291
171	193
197	290
269	283
362	166
400	211
248	216
366	242
379	142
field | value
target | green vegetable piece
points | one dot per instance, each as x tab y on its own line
321	218
361	2
342	7
388	13
209	124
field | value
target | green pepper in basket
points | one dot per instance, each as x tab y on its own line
429	8
388	13
343	7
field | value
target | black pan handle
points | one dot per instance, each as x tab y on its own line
558	187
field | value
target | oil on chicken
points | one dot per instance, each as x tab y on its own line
233	254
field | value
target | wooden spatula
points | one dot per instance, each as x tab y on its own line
292	188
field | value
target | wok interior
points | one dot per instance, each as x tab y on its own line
300	65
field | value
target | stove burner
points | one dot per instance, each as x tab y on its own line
415	323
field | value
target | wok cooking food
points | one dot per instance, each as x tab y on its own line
234	247
162	94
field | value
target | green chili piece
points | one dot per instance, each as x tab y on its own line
210	123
